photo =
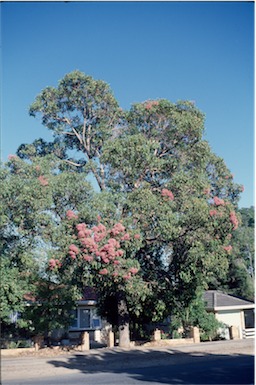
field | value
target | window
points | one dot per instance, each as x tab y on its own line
96	323
84	318
74	318
249	318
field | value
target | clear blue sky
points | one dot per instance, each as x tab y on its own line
201	51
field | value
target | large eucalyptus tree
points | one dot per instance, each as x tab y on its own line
159	179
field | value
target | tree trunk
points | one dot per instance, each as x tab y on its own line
123	322
38	342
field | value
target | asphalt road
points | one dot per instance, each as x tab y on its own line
217	363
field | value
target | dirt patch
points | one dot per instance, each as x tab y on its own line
44	352
221	347
64	350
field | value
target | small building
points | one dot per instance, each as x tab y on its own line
233	312
85	318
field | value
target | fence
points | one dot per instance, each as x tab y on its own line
249	333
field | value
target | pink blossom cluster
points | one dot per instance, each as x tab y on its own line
234	220
71	215
11	156
102	245
83	232
110	251
207	191
100	232
43	181
54	263
90	246
150	104
73	251
228	248
126	237
215	213
229	176
103	271
88	258
117	229
126	277
167	193
91	239
218	201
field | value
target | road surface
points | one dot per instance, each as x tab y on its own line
229	362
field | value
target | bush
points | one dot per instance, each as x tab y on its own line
15	344
176	334
196	315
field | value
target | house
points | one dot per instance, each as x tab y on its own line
232	311
85	318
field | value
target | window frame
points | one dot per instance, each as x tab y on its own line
94	320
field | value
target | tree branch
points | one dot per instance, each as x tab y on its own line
73	163
77	135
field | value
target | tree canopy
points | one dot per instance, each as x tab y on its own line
173	200
240	277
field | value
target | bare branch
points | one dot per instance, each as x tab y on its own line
69	133
73	163
84	130
77	135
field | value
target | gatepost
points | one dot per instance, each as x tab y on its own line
85	341
195	334
234	333
157	335
111	339
38	342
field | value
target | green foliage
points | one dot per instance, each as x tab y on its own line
17	344
13	287
196	315
83	114
156	176
18	227
240	277
51	307
136	156
35	199
243	240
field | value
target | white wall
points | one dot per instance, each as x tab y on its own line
231	318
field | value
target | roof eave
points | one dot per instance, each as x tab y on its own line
237	307
90	302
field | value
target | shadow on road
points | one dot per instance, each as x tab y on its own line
166	367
